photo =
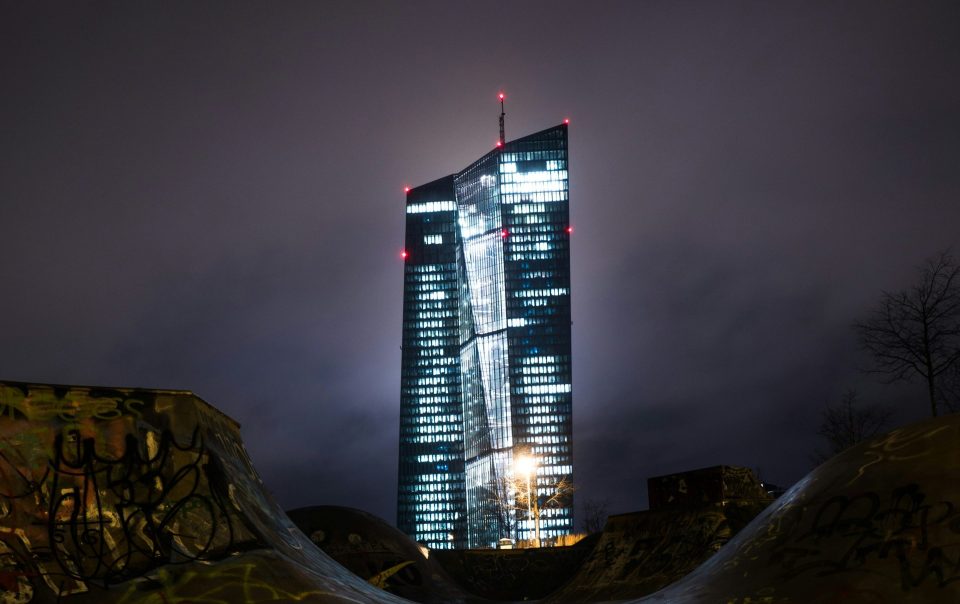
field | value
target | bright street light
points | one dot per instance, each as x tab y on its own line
526	465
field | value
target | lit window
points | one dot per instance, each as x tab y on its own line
431	206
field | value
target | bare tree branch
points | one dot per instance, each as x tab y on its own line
916	332
847	423
514	500
595	512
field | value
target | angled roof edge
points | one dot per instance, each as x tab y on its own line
122	389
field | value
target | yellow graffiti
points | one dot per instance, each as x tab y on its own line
43	404
42	569
380	579
891	446
761	596
218	586
15	586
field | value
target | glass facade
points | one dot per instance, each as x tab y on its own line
486	346
432	498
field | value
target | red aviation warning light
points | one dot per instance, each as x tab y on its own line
404	254
504	233
499	143
500	96
406	189
569	230
566	121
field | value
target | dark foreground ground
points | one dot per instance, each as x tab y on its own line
147	496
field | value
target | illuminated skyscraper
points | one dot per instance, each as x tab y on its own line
486	368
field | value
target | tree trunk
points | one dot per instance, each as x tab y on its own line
929	362
932	391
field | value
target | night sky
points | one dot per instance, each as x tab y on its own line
209	196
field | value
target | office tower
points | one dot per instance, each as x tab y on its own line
486	368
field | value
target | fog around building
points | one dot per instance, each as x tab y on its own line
210	197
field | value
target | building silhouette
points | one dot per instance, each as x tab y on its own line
486	367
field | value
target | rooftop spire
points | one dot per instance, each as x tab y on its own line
503	137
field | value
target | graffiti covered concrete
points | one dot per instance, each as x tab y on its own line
879	523
641	552
380	553
134	496
144	496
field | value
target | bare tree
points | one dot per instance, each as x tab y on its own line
559	493
499	503
847	423
525	499
510	499
595	512
917	331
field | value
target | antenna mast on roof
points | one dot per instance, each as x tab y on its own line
503	137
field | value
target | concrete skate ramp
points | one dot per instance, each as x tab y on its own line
144	496
380	553
641	552
514	574
124	496
878	524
